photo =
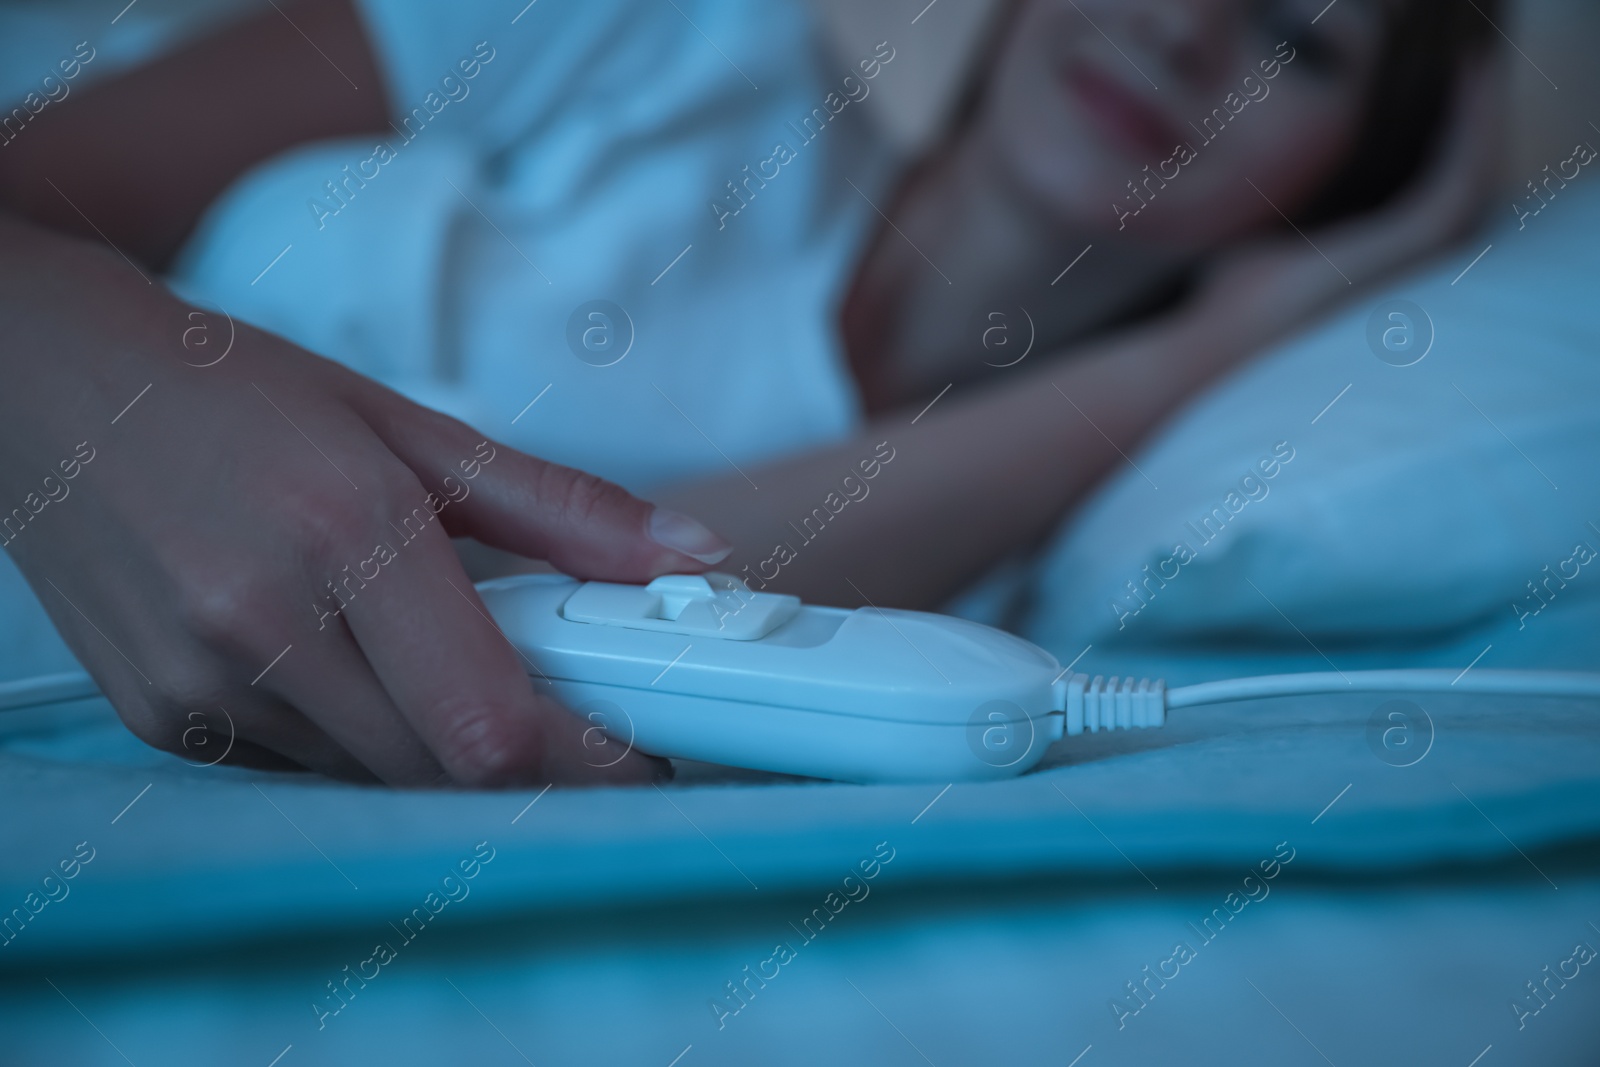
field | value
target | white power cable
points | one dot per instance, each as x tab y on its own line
1102	703
1519	683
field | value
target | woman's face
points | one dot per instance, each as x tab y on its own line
1212	96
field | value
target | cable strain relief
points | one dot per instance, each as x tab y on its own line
1101	703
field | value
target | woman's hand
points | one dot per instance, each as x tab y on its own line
270	535
1267	288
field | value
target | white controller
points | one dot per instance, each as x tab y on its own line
700	667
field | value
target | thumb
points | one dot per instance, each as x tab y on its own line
585	526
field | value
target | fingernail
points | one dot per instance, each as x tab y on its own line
680	533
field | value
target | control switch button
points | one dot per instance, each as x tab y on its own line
694	605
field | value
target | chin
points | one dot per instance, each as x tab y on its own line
1068	179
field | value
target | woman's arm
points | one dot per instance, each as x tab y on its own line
139	157
173	517
971	478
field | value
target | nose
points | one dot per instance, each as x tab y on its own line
1194	37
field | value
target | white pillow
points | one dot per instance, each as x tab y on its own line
1419	504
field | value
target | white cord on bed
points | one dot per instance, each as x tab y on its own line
1101	703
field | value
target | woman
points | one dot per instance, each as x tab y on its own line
183	591
1183	148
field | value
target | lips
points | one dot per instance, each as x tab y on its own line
1133	126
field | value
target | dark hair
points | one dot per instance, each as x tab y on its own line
1407	105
